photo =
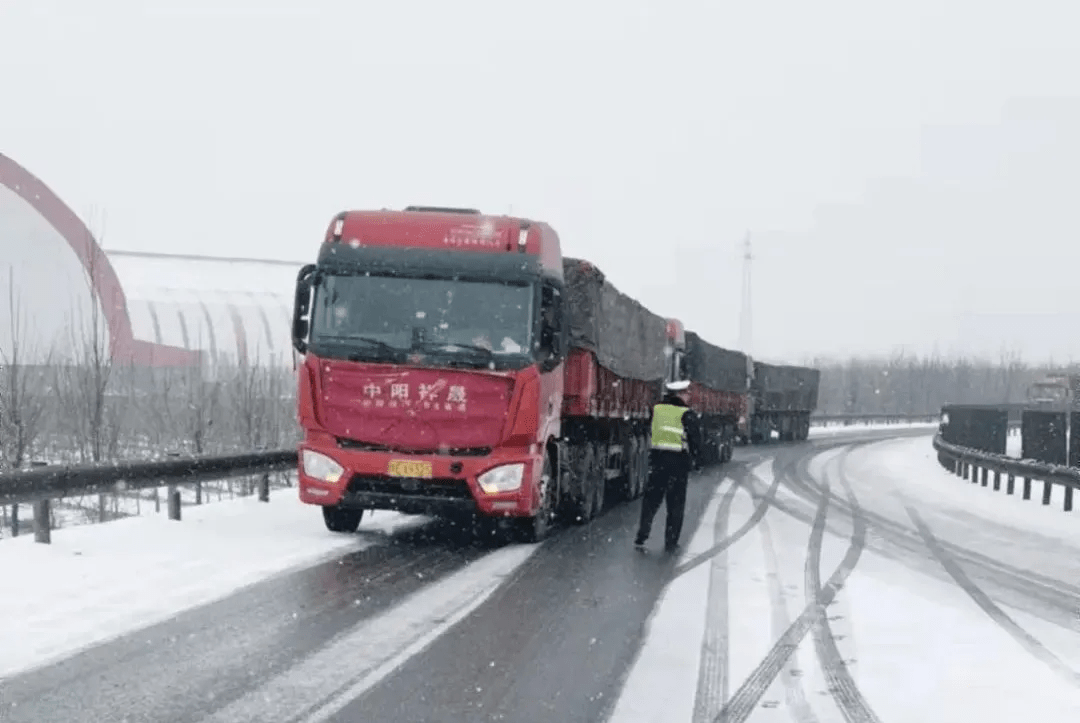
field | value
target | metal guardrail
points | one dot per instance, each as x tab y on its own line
977	466
41	485
887	418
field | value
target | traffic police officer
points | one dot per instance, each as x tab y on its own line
672	449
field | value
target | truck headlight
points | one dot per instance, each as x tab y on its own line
506	478
319	466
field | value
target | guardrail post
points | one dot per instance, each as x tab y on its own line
1068	499
1010	486
264	487
42	522
198	493
14	520
964	466
985	476
1047	487
1027	488
997	480
174	503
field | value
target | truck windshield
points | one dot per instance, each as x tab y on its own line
384	318
1048	393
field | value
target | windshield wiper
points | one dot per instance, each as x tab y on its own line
380	345
453	347
344	342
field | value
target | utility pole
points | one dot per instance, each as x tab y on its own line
746	319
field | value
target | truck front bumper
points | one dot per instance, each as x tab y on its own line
420	484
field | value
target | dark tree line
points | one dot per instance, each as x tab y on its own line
904	384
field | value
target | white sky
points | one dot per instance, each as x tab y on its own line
910	174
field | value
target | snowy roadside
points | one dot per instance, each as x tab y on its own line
97	582
1022	533
833	430
915	647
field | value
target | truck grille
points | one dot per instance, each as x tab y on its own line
356	444
443	488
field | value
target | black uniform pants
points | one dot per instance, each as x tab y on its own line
668	474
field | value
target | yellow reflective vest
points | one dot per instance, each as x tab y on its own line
668	432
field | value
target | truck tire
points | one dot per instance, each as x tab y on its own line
644	466
639	467
342	519
579	503
538	527
600	459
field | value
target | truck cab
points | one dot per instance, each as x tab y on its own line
675	352
431	382
1057	391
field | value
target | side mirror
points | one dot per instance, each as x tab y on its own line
301	324
549	348
551	342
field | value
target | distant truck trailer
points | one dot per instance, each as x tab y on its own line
783	398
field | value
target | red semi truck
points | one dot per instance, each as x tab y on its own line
455	362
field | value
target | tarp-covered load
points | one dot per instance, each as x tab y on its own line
785	388
626	337
717	368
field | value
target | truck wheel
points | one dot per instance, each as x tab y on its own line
342	519
599	478
643	466
633	483
579	507
538	527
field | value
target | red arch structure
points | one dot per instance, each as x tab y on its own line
102	278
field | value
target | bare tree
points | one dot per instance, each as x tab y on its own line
94	411
22	403
906	384
85	384
200	407
22	399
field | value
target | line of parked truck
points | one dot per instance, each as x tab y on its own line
458	363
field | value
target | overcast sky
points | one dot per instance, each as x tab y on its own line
910	175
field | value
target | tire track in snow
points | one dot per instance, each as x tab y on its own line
1026	583
842	687
746	698
999	616
320	685
759	512
712	686
794	693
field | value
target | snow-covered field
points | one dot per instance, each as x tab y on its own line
917	646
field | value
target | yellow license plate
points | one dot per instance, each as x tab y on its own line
409	468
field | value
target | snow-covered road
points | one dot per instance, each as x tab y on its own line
958	602
848	578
